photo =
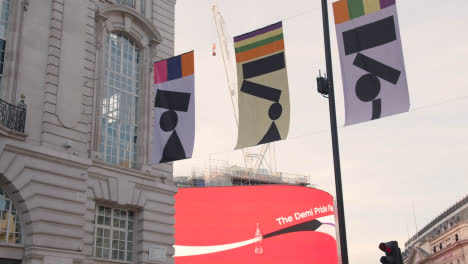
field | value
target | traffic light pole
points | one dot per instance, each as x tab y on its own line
334	133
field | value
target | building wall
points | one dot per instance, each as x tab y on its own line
445	240
54	171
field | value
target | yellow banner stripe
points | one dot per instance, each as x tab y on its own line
258	38
371	6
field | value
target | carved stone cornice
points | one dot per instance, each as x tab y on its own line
131	17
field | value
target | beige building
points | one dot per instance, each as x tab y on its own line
442	241
76	100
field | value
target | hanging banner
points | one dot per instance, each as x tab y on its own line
174	109
273	224
263	86
372	65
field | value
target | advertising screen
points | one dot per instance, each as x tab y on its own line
270	224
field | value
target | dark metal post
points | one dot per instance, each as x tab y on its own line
334	133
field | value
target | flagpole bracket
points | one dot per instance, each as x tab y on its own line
323	85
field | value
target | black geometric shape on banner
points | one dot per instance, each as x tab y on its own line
307	226
173	149
377	68
271	135
177	101
261	91
263	66
168	121
376	108
275	111
369	36
367	87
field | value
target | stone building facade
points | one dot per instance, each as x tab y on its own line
76	181
443	241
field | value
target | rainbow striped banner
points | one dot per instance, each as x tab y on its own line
263	86
174	108
372	65
259	43
345	10
174	68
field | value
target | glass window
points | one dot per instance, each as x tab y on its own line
129	3
142	7
10	225
120	101
114	233
137	4
4	14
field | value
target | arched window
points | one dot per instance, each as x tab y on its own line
4	14
120	100
123	117
10	226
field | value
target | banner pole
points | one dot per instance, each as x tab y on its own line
334	134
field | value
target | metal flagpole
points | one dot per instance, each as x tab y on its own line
334	134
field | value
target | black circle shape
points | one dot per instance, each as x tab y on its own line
168	121
367	87
275	111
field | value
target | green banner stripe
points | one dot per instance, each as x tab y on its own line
259	43
356	8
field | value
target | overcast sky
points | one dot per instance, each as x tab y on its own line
399	172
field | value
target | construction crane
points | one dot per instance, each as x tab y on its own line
264	157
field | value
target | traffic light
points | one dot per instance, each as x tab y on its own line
392	253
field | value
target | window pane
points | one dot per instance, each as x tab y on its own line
107	243
10	225
98	252
114	241
107	233
107	221
98	242
142	7
129	3
4	14
100	232
106	253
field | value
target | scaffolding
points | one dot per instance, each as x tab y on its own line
238	176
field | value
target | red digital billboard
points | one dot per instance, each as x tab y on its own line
271	224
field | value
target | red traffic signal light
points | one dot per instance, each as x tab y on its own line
392	253
385	248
